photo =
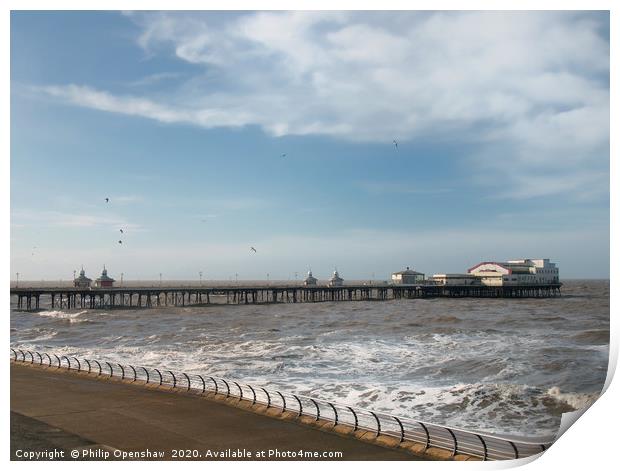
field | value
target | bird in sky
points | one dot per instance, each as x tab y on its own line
107	200
395	143
120	241
252	248
283	155
121	231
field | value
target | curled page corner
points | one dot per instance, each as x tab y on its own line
568	419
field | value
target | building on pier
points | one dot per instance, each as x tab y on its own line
335	280
451	279
104	281
310	280
407	277
82	281
517	272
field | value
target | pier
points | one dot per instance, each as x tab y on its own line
147	297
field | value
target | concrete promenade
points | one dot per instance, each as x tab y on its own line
55	409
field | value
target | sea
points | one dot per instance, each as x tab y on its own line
504	366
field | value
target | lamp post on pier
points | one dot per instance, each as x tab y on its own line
17	280
122	279
200	274
160	280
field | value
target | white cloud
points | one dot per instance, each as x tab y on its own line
154	79
531	83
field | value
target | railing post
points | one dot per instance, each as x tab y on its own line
215	383
268	398
204	386
378	424
189	381
354	417
428	437
335	413
484	446
301	408
161	378
174	379
253	394
240	390
227	388
283	401
454	440
402	429
514	447
318	410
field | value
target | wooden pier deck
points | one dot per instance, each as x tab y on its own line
107	298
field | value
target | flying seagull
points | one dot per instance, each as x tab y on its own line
252	248
120	241
283	155
395	143
122	231
107	200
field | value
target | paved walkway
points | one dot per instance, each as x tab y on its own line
66	411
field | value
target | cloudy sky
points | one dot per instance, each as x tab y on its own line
213	132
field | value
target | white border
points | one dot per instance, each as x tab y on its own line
590	443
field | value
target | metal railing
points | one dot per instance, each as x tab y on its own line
454	440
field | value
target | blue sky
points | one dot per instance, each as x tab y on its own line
501	119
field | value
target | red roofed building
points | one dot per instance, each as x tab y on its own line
104	281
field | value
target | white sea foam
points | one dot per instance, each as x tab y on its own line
575	400
69	316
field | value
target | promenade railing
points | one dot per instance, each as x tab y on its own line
454	440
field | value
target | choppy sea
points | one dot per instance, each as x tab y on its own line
494	365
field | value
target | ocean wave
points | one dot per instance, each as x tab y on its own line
575	400
599	336
68	316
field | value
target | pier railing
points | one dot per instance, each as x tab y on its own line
429	435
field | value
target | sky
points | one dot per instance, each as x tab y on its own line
366	141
